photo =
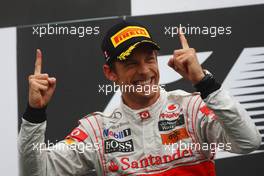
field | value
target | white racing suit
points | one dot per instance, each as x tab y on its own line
175	136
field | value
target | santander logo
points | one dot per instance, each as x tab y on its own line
113	167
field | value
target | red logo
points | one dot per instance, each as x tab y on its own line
78	134
144	115
172	107
208	112
113	167
171	111
205	110
154	160
169	115
174	136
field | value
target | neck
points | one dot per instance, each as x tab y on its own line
135	102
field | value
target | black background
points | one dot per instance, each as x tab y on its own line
19	13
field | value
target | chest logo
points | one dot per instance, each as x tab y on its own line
144	115
174	136
118	134
112	145
166	125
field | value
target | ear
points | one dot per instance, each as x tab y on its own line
109	73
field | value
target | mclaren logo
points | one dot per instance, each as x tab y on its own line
127	33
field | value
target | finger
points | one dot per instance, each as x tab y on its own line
38	63
52	80
39	76
38	87
183	40
42	82
178	63
180	51
51	88
184	59
170	62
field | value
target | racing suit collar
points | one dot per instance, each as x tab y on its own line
145	113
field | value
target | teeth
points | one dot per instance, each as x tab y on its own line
148	81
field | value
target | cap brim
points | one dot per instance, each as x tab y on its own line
124	55
150	43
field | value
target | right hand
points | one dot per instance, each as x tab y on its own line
41	86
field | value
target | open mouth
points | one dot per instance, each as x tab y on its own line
149	81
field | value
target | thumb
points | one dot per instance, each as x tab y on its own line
171	63
52	82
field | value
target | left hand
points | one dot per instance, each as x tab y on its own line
185	62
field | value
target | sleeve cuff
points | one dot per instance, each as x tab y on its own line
207	85
35	115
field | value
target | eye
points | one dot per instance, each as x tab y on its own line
130	63
150	59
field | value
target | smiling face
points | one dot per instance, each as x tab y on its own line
141	71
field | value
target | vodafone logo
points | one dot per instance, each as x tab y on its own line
172	111
75	132
78	134
144	115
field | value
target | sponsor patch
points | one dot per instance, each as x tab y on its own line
208	112
166	125
118	134
112	145
172	111
174	136
144	115
169	115
153	160
69	141
172	107
77	134
113	167
127	33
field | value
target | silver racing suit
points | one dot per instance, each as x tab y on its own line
178	134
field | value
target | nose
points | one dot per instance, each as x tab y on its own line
142	68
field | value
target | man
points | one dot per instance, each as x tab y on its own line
152	132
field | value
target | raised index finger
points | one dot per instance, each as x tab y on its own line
183	40
38	63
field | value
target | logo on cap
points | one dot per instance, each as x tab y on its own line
128	33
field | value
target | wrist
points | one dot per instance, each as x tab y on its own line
207	85
198	78
35	115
